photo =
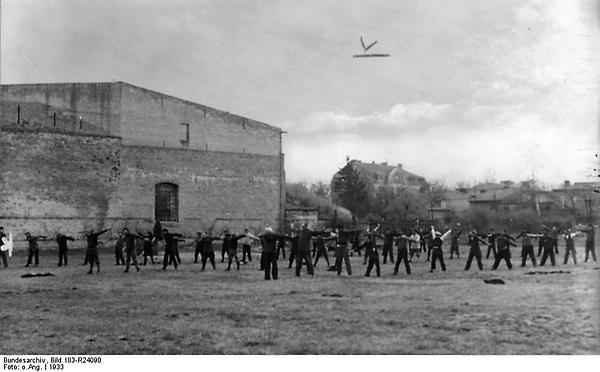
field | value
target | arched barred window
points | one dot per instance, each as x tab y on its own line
166	202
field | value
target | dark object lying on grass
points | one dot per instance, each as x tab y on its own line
30	275
493	281
547	272
331	295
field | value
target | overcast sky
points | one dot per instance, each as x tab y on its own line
473	90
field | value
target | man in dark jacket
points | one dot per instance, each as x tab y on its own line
553	234
491	244
427	238
293	239
170	240
92	249
148	251
230	243
550	247
341	250
370	246
34	250
589	242
503	243
198	248
158	240
269	241
207	250
454	242
281	246
402	241
320	240
527	247
474	250
388	246
62	239
130	250
119	246
437	253
303	250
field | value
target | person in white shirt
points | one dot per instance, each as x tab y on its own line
414	244
246	242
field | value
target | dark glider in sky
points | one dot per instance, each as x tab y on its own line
366	48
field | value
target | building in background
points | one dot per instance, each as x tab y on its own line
579	197
78	156
383	176
296	216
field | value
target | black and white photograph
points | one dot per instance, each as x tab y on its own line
339	178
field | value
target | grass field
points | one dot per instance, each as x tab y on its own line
217	312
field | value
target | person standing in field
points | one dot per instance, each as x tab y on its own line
230	244
130	250
437	254
454	242
246	245
34	250
370	246
269	241
3	248
589	242
569	237
147	247
527	247
414	244
388	246
92	249
158	240
503	243
207	250
355	245
61	240
281	246
119	245
170	240
341	249
198	248
176	250
319	241
303	250
293	238
550	247
553	234
491	245
429	238
423	242
402	241
474	250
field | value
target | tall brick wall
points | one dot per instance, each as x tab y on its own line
153	119
90	108
69	183
53	181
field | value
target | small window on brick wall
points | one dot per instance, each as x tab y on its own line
166	205
184	134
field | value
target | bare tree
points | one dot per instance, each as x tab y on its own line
320	189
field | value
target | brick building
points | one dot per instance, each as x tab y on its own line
108	155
